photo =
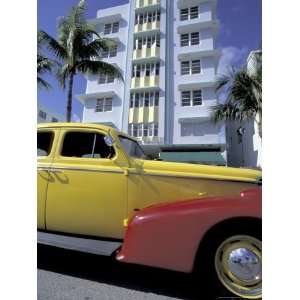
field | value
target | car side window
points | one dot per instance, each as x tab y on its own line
44	143
86	145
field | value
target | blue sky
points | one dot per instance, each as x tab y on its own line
240	32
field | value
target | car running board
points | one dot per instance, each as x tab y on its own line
99	247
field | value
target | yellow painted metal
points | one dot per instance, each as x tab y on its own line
87	196
168	182
43	178
94	196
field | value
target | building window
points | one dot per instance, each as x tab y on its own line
145	70
115	27
157	67
110	52
191	98
186	98
194	12
147	17
195	38
196	67
189	39
156	99
104	104
144	99
106	78
111	28
155	129
190	67
42	115
184	40
197	97
147	42
107	28
184	14
189	13
143	130
137	100
140	130
185	68
131	100
147	100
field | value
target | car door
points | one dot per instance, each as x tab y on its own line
88	194
45	152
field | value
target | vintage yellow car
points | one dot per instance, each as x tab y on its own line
98	193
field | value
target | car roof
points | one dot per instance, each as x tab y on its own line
82	125
73	124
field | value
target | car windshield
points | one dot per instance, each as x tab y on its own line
132	148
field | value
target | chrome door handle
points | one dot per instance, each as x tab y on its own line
55	171
42	169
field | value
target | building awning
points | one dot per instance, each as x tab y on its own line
203	157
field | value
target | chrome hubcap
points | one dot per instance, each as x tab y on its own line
238	265
244	264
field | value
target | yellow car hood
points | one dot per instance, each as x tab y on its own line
164	168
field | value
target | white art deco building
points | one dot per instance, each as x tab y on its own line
166	51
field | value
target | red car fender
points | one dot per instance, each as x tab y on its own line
168	235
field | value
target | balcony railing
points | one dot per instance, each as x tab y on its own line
144	81
143	115
147	26
153	52
145	3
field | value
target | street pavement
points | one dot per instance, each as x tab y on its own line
69	275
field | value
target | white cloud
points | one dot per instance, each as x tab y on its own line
232	56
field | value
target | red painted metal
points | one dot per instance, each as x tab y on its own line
168	235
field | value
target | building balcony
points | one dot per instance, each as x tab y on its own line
190	3
145	82
143	115
102	19
195	83
146	53
83	97
196	25
195	52
190	114
141	4
147	28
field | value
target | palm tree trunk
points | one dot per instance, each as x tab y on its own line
69	102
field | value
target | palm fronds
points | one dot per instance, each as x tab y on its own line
79	48
243	95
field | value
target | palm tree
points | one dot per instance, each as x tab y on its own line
78	51
243	91
44	64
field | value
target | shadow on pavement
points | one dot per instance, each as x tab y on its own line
105	270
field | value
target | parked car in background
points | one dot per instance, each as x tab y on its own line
98	193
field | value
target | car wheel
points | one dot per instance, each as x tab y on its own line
231	265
